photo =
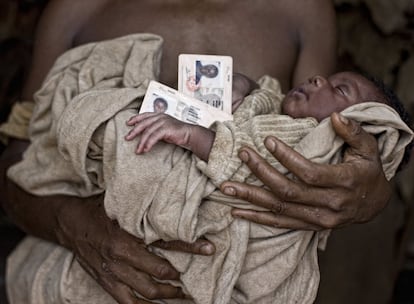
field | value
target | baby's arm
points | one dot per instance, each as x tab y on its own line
154	127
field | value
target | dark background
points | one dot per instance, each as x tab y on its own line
376	37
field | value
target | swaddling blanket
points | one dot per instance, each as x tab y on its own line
78	148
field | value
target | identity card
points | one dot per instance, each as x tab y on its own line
207	78
161	98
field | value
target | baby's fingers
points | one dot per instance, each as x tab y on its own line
138	118
152	134
140	123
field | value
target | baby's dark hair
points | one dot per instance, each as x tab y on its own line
394	102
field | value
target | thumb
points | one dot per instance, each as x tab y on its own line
200	246
360	142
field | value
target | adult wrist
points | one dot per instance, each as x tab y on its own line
72	217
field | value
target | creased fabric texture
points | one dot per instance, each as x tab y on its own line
17	124
77	132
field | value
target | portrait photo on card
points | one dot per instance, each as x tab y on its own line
206	78
158	102
163	99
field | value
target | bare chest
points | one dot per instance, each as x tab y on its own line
257	38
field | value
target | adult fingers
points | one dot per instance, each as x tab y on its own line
311	174
120	292
142	283
312	191
200	246
119	275
275	220
295	217
130	252
361	142
323	210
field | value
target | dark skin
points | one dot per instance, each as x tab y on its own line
318	97
284	38
332	191
279	38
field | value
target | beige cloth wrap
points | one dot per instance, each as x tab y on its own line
17	124
78	149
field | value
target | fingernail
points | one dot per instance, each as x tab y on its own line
244	156
343	119
271	144
207	249
229	191
239	216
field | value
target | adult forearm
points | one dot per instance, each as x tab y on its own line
48	217
38	216
119	261
19	205
34	215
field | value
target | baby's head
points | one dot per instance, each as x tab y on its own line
319	97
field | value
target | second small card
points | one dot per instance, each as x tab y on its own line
161	98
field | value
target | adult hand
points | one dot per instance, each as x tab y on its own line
118	261
322	196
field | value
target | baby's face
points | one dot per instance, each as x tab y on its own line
320	97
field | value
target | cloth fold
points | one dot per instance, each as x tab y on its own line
78	148
17	124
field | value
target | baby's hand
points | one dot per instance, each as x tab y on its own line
154	127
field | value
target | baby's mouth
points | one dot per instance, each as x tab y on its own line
299	91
